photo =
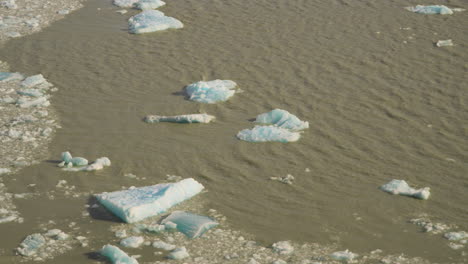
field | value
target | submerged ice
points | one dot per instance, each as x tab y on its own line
192	118
152	21
402	188
268	133
139	203
211	92
189	224
282	118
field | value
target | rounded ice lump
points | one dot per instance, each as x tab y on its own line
211	92
152	21
402	188
116	255
283	119
268	133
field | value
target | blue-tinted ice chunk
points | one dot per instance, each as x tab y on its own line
211	92
151	21
402	188
343	255
149	4
30	92
78	161
116	255
10	76
66	156
189	224
430	10
268	133
32	81
31	244
283	119
139	203
193	118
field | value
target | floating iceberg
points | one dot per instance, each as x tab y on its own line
132	242
193	118
10	76
430	10
125	3
444	43
283	247
151	21
116	255
149	4
139	203
268	133
402	188
211	92
179	253
33	81
343	255
283	119
31	244
189	224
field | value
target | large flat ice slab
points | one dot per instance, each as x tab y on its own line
152	21
402	188
282	118
116	255
430	10
211	92
192	118
136	204
267	134
189	224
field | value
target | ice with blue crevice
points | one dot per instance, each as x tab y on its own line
430	10
192	118
268	134
211	92
152	21
136	204
282	118
191	225
116	255
401	187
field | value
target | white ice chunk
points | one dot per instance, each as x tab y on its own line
444	43
193	118
455	236
4	171
283	247
132	242
179	253
151	21
288	179
283	119
189	224
31	92
163	245
211	92
343	255
10	76
39	102
430	10
99	164
78	161
268	133
402	188
31	244
125	3
33	81
116	255
139	203
149	4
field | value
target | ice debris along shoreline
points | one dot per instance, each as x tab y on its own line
211	92
151	21
433	9
402	188
192	118
81	164
136	204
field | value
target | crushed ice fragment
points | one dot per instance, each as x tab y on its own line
136	204
132	242
288	179
444	43
430	10
116	255
402	188
456	236
39	102
283	247
179	253
282	118
193	118
33	81
268	133
189	224
31	244
151	21
10	76
343	255
163	245
148	4
211	92
30	92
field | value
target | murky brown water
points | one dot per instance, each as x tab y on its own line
383	102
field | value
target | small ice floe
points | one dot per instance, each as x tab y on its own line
429	227
283	247
152	21
81	164
132	242
116	255
211	92
193	118
31	245
179	253
123	11
39	102
30	92
456	236
135	204
125	3
163	245
69	161
45	245
148	4
32	81
430	10
282	118
402	188
444	43
343	255
10	76
288	179
63	12
4	171
267	134
189	224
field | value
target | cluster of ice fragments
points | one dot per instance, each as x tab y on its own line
69	163
458	239
284	128
402	188
192	118
211	92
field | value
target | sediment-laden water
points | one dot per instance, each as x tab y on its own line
382	100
